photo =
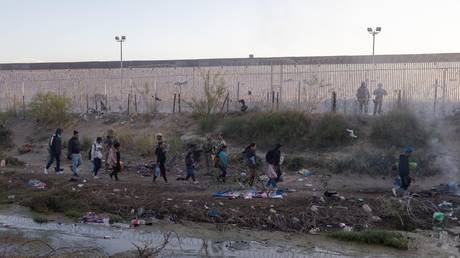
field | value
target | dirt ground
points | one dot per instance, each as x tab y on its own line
303	208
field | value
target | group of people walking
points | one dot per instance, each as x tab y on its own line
95	155
108	149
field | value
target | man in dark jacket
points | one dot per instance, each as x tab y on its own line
403	167
160	152
273	157
250	156
54	147
74	153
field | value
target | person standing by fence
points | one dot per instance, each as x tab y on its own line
379	93
363	96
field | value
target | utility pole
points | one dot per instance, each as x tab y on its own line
373	33
121	39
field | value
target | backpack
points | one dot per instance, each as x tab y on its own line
90	151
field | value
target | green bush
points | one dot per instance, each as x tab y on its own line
208	123
330	131
50	108
267	129
366	161
398	128
374	237
295	163
86	144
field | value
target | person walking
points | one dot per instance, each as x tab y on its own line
54	148
379	93
272	176
250	157
160	153
273	157
74	153
114	161
404	168
96	156
190	166
363	98
223	163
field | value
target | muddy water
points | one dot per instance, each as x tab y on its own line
194	241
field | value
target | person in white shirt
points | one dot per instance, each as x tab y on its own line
96	156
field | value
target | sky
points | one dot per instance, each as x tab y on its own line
84	30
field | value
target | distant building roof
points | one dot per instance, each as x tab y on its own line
363	59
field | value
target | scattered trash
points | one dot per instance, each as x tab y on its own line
351	133
452	186
314	208
438	217
169	199
376	219
330	194
314	231
74	189
299	179
84	181
272	210
445	205
221	203
80	185
116	190
25	148
305	172
107	237
137	222
10	197
92	217
37	184
214	213
2	163
367	208
308	185
341	197
360	200
140	211
120	225
295	220
249	194
292	190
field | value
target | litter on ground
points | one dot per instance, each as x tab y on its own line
37	184
249	194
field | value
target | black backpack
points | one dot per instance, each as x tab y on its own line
89	152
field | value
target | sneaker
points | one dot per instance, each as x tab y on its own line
96	177
46	171
394	192
59	172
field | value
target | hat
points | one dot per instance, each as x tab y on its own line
408	149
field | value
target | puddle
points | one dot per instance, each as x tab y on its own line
203	243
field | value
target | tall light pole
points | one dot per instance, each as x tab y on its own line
373	33
121	39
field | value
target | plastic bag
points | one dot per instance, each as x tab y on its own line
157	171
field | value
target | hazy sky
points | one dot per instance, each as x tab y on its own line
84	30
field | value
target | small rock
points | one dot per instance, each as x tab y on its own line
169	199
308	185
367	208
80	185
221	203
314	208
10	197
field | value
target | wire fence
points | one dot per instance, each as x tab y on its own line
430	87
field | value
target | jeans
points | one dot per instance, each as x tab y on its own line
162	173
57	157
76	162
363	106
224	173
253	173
97	163
190	174
271	182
